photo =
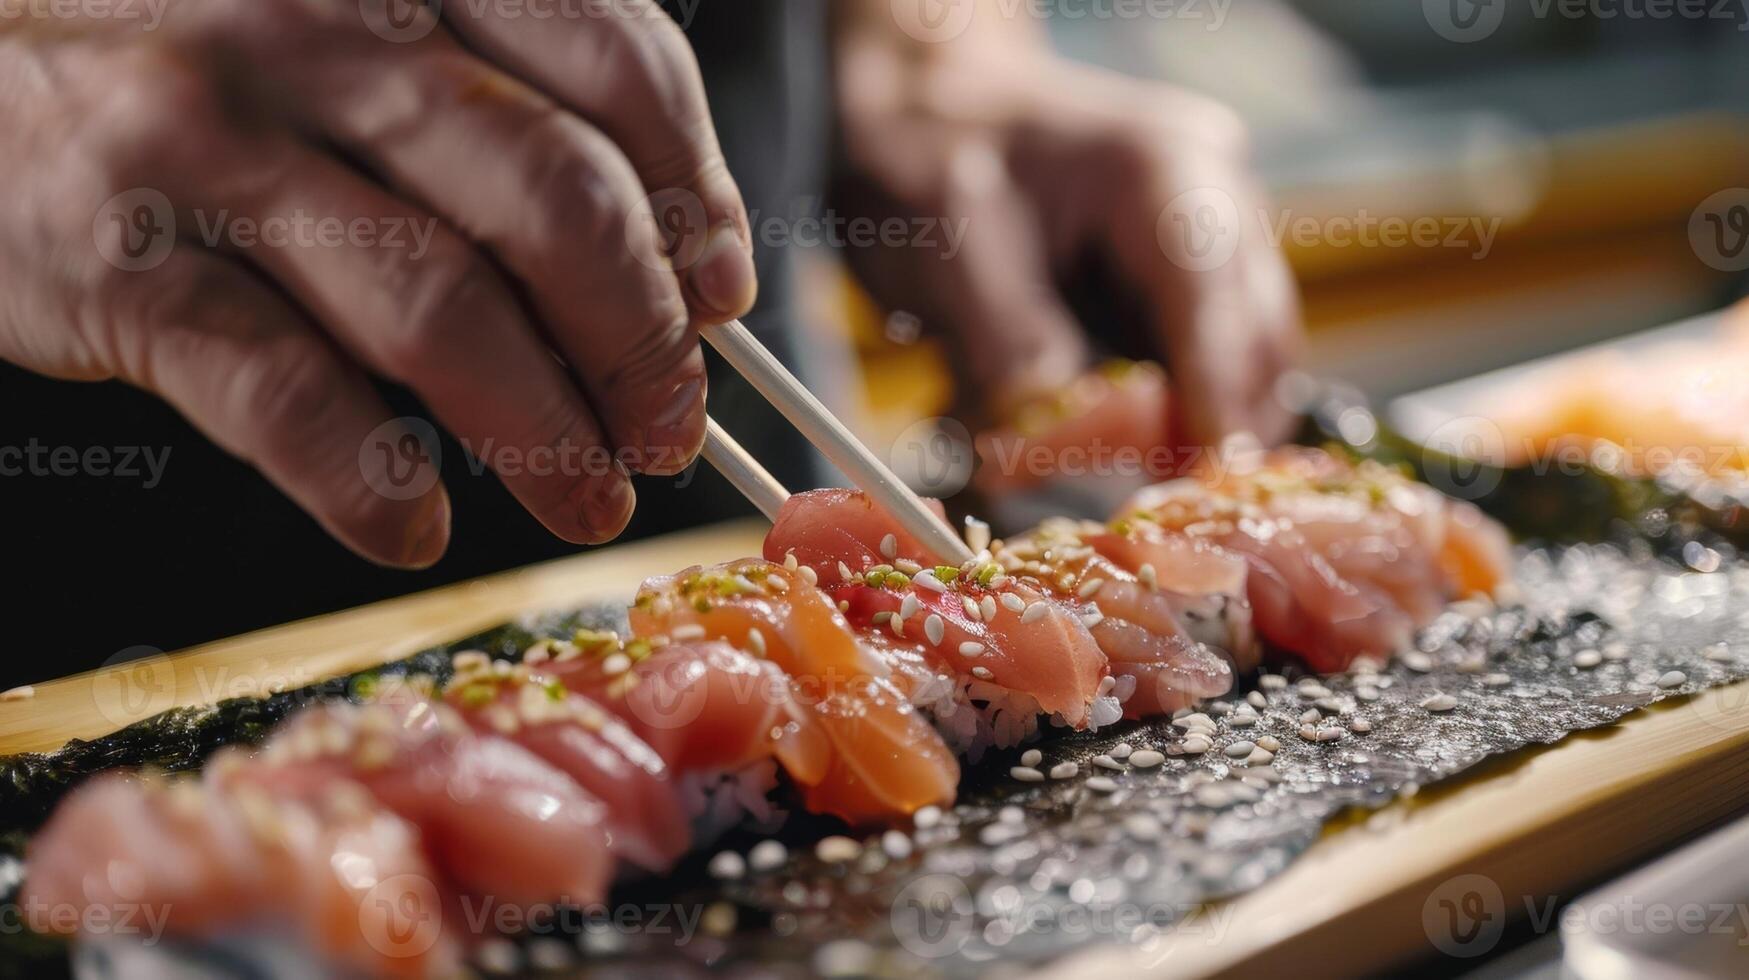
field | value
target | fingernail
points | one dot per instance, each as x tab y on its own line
432	536
607	505
723	278
675	433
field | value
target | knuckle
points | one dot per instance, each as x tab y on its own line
653	352
287	393
445	294
578	186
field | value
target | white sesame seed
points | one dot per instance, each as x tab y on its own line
1027	774
1013	603
1311	716
982	673
1329	733
1719	653
1440	702
1496	680
1092	617
907	566
688	631
809	575
1417	661
1367	693
767	855
756	640
1065	770
789	560
727	866
837	850
844	571
1674	678
977	534
1101	784
1359	726
935	628
926	580
1587	659
890	547
1272	682
926	818
881	618
970	605
1257	700
987	608
1148	576
615	664
1031	757
1122	750
1107	762
1107	684
909	605
1260	756
1239	750
896	844
1146	759
1309	733
971	648
1194	744
1089	587
1034	612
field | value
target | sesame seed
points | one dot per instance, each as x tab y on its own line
843	605
1674	678
890	547
1311	716
1027	774
926	818
1719	653
1239	750
1148	576
971	648
756	640
1257	700
1031	757
896	844
1065	770
907	566
1260	757
766	856
1587	659
1359	726
1417	661
982	673
789	560
844	572
1121	750
688	631
935	628
909	605
1089	587
615	665
1013	603
1195	744
926	580
977	534
837	850
1440	702
727	866
1092	617
809	575
987	608
1034	612
1496	680
1107	762
1272	682
880	618
1146	759
970	605
1101	784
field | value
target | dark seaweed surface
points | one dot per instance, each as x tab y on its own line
1019	872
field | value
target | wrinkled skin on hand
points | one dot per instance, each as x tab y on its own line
249	206
1041	163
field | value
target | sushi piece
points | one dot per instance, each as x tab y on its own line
1345	560
1114	418
580	738
886	761
975	624
1167	648
722	719
497	821
328	868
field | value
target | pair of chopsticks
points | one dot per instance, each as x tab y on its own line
781	388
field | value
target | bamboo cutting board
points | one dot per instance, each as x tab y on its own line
1374	893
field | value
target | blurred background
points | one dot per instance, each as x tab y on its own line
1566	156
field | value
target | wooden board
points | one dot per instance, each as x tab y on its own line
1538	823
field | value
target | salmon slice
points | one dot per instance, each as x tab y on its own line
498	822
886	760
575	735
1344	560
1111	421
703	705
992	627
332	868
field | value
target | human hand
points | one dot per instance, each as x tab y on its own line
249	206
